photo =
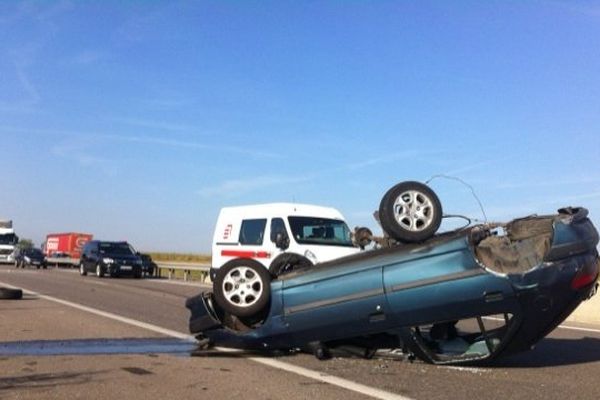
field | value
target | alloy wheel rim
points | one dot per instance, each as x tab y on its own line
413	211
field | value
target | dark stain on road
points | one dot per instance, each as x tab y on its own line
137	371
97	346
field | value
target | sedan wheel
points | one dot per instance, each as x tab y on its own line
410	212
242	287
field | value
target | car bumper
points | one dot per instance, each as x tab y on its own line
116	269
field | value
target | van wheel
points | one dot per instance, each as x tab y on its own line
242	287
410	212
288	262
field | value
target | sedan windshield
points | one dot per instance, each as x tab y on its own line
118	249
34	252
312	230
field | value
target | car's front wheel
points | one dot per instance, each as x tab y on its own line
410	212
99	271
242	287
82	270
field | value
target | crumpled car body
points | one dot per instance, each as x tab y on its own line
467	296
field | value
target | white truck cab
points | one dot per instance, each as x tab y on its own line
263	232
8	241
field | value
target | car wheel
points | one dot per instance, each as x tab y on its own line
99	272
137	275
10	294
288	262
410	212
37	266
82	270
242	287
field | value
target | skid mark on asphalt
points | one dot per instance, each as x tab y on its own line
318	376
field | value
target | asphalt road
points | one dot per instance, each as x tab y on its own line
564	365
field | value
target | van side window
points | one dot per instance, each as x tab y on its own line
252	231
277	226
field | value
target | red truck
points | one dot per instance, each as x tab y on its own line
66	244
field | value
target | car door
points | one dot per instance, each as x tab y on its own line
336	301
443	283
89	261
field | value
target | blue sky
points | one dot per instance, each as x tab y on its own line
139	120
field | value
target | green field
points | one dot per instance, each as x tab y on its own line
180	257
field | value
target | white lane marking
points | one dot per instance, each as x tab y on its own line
139	324
576	328
319	376
567	327
332	380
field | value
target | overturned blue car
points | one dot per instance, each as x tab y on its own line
460	297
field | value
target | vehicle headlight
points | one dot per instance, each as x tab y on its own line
311	256
138	262
108	260
27	259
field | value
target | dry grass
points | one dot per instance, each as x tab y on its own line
181	257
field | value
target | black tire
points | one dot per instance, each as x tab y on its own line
410	212
242	301
99	271
137	274
10	294
288	262
82	270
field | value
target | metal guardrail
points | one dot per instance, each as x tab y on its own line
62	261
187	268
169	266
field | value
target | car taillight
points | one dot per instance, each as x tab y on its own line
587	275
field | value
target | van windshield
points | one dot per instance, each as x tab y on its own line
323	231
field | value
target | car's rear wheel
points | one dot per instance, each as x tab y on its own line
410	212
242	287
82	270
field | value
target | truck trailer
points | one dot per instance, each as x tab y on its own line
65	248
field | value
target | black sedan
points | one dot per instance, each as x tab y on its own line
30	257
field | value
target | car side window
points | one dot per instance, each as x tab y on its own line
277	226
252	231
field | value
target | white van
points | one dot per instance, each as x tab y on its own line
264	232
